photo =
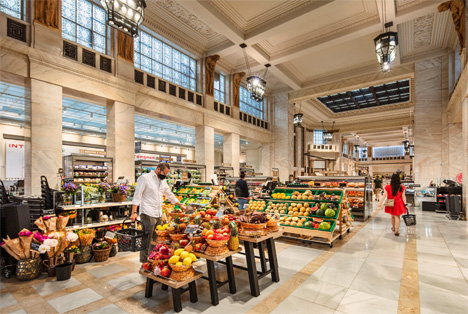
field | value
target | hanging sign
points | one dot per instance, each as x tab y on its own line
92	152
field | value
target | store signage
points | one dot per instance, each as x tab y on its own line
258	174
184	176
220	213
92	152
191	229
14	163
145	157
190	161
225	165
138	147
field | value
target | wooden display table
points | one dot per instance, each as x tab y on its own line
214	283
177	287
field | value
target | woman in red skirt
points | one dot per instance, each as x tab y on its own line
395	191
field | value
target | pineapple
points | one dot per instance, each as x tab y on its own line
216	224
234	238
177	219
197	220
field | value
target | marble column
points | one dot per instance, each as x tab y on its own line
231	151
46	135
283	130
204	149
428	121
121	139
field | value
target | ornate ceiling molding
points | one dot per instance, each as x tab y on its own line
422	31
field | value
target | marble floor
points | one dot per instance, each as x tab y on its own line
424	270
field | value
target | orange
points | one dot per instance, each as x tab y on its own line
209	232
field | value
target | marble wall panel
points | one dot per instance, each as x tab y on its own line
465	154
204	149
455	149
46	134
265	159
231	151
121	139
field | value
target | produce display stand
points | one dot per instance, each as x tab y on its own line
267	241
214	283
101	206
177	287
316	235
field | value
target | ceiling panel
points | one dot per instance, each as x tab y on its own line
15	103
151	129
83	116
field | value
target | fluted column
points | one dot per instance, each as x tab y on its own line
231	151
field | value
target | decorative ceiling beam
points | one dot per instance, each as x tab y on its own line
354	100
375	95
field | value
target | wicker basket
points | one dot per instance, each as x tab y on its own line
178	236
245	225
272	229
156	263
217	243
162	233
272	223
180	268
28	269
182	276
85	255
101	255
116	197
210	250
198	239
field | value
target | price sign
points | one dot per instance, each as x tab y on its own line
190	212
109	235
220	213
35	247
190	229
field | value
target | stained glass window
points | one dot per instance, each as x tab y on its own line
219	88
248	105
84	22
13	8
157	57
318	137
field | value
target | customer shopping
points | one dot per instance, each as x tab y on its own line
377	188
394	200
242	191
148	195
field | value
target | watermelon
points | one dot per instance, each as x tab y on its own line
324	206
324	225
320	212
329	212
308	224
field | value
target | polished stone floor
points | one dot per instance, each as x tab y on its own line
424	270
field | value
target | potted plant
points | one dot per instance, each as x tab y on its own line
70	190
101	251
119	192
102	188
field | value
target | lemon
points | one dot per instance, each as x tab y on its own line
179	264
187	261
193	257
184	255
178	252
174	259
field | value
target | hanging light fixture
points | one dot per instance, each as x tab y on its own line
356	145
386	43
298	117
255	84
328	135
406	146
125	15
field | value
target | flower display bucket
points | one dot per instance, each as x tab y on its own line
64	271
28	269
116	197
114	250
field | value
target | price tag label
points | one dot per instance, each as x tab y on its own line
89	225
109	235
191	229
220	213
189	212
35	247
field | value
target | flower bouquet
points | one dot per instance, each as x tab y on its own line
50	223
88	191
71	251
119	192
86	236
62	222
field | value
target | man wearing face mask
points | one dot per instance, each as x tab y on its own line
149	196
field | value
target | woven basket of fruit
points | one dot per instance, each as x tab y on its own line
162	233
157	263
178	236
260	226
180	268
210	250
181	276
252	232
217	243
197	239
272	223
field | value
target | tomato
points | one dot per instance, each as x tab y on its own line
202	213
214	212
209	212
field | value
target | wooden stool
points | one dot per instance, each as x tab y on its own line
177	287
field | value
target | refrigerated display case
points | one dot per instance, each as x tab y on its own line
87	169
196	171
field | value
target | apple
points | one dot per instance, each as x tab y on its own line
208	216
202	213
209	212
210	237
148	266
226	230
214	212
166	271
183	242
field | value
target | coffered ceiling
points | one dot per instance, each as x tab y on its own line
307	42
